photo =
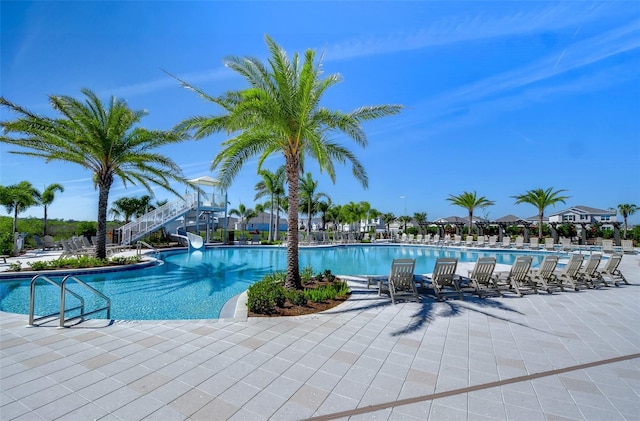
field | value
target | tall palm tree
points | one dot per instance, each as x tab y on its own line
626	210
470	201
244	214
272	184
102	138
280	112
309	199
541	199
46	198
17	198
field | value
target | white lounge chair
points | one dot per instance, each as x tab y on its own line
627	246
549	244
534	243
565	244
545	275
519	243
518	278
480	241
444	277
611	271
571	273
506	242
469	241
589	272
482	277
493	241
607	246
401	279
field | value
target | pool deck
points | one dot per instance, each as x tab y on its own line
565	356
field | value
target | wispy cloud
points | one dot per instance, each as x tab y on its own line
167	81
473	28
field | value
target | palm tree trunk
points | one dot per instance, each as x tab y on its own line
15	218
541	216
101	233
292	280
270	238
44	225
470	221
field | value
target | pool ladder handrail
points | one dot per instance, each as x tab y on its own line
63	291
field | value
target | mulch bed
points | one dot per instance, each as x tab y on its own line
311	307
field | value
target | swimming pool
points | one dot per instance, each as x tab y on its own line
196	285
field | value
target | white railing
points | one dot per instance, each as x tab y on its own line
155	219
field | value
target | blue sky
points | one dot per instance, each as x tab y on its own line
500	97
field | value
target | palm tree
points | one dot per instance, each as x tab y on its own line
143	205
309	199
470	201
404	220
388	218
324	208
18	198
46	198
421	219
626	210
272	184
102	139
280	112
244	214
541	199
125	207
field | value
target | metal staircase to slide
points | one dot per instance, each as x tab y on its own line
157	218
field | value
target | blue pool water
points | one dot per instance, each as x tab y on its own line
196	285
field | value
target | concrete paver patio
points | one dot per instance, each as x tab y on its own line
565	356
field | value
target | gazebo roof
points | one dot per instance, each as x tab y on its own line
510	219
205	180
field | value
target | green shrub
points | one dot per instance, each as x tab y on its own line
128	260
15	267
297	298
306	274
265	295
6	243
329	276
342	289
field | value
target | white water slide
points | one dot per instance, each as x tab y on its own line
194	241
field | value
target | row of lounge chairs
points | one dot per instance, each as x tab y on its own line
534	243
521	278
81	246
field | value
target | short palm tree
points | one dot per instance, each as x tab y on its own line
404	220
626	210
541	199
309	198
244	214
388	218
421	219
18	198
470	201
272	185
280	112
102	138
324	207
125	208
46	198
